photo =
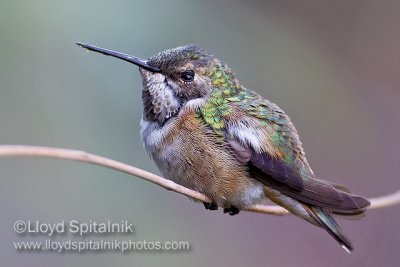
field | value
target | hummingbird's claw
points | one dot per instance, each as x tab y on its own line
210	206
232	210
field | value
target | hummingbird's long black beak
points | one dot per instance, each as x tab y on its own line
132	59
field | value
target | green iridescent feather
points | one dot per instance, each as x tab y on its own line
227	91
218	105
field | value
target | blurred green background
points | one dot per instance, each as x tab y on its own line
333	66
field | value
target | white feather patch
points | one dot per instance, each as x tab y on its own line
250	134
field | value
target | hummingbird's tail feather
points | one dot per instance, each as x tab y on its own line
315	215
327	222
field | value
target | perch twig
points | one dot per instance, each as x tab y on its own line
77	155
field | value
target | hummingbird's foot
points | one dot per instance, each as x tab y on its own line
232	210
210	206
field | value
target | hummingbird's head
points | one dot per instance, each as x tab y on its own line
172	78
182	76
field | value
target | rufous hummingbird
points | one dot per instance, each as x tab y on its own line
207	132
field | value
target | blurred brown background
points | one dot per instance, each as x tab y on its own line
333	66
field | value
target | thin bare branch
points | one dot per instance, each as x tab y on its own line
77	155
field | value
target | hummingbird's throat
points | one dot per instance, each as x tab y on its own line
163	99
159	98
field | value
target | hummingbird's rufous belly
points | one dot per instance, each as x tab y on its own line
191	154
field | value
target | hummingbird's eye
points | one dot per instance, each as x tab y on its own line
187	75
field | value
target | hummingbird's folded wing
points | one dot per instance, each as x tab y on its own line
270	146
314	191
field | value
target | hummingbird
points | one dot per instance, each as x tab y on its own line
206	131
